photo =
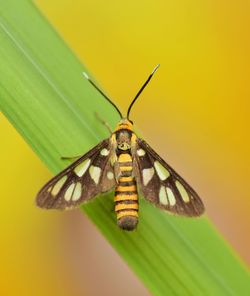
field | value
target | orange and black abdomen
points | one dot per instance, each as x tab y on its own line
126	197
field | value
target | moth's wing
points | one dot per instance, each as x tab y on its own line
82	180
161	185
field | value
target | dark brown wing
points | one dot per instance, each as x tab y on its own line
161	185
90	175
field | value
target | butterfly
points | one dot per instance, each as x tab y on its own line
128	164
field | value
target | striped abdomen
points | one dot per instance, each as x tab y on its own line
126	197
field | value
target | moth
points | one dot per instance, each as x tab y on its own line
128	164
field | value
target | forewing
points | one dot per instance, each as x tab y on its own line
82	180
161	185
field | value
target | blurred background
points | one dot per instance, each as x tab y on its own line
195	113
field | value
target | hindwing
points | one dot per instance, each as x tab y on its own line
161	185
88	176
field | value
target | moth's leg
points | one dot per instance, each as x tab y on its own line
70	157
104	122
117	172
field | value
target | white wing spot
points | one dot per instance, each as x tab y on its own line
110	175
147	175
171	196
95	173
82	167
163	196
162	172
140	152
69	191
58	185
104	152
183	192
77	192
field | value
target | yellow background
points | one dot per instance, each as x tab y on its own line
195	113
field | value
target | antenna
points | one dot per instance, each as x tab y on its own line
102	93
141	89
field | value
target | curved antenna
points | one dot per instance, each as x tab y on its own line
102	93
141	89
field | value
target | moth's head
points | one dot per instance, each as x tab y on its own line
125	124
